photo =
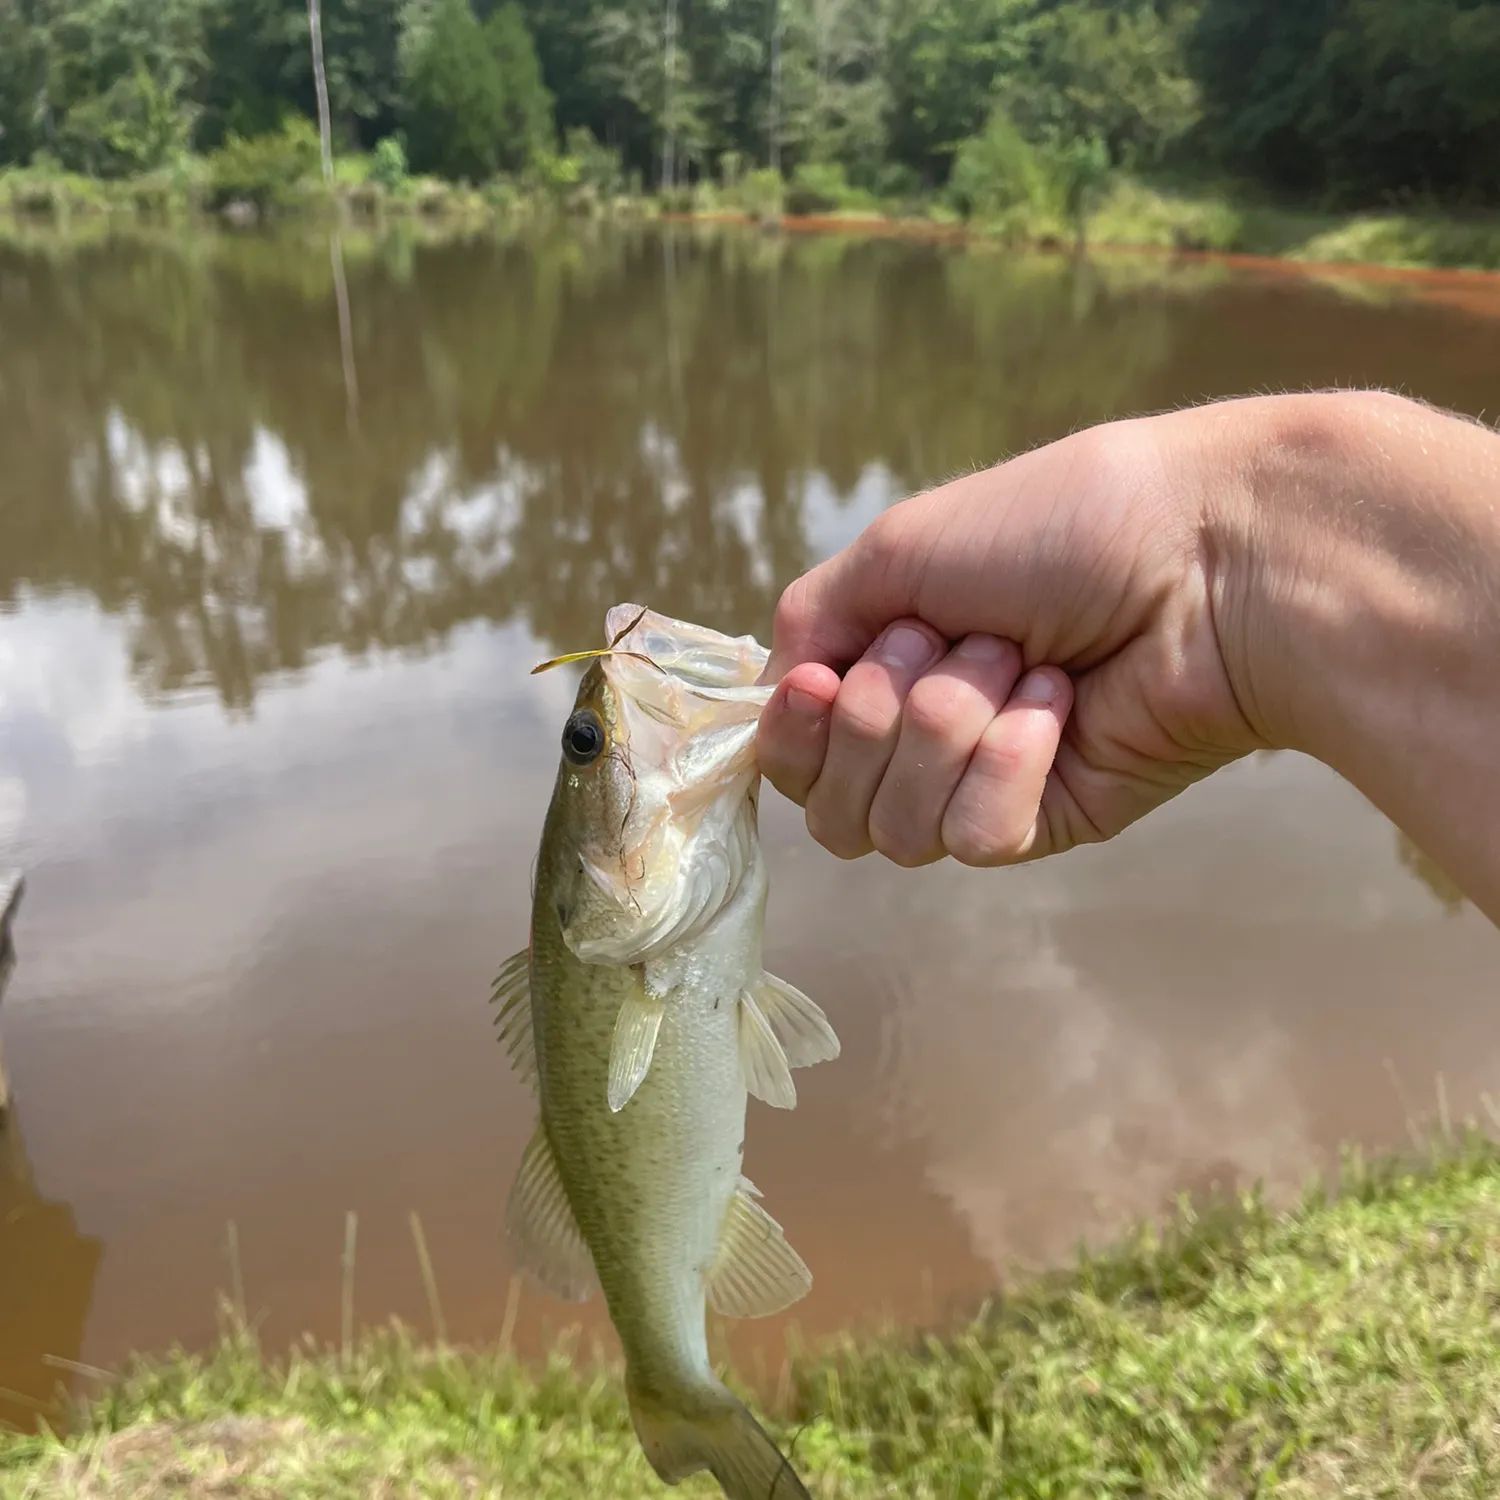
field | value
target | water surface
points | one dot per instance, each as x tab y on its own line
273	762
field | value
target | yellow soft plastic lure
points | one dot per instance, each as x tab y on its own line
609	650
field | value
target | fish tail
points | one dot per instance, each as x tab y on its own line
712	1429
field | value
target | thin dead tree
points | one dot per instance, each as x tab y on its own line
335	243
669	100
776	88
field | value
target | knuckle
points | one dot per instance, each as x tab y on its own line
934	705
862	712
999	760
832	833
893	837
790	783
880	545
971	839
902	848
793	611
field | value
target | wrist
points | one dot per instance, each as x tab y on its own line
1357	594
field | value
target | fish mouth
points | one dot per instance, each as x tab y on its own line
690	702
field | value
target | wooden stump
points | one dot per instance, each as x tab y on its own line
11	886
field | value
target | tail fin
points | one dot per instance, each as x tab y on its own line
713	1431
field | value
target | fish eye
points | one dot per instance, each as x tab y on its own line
583	737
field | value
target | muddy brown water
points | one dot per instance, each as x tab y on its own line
272	760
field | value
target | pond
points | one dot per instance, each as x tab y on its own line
273	763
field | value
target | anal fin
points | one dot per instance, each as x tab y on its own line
755	1272
800	1025
630	1052
543	1234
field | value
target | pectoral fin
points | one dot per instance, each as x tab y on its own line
755	1272
636	1029
512	993
800	1026
767	1075
543	1234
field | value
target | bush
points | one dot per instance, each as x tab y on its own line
389	166
821	187
268	171
997	173
1039	191
43	190
817	187
760	193
599	167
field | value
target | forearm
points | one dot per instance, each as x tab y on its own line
1355	568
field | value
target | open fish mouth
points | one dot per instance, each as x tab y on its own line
701	660
689	702
697	660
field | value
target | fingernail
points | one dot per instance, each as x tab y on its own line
1038	687
804	705
981	648
905	647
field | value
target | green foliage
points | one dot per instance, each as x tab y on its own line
598	167
23	79
119	85
389	166
1355	100
823	188
759	194
526	116
269	171
260	65
1114	73
475	99
1338	103
997	172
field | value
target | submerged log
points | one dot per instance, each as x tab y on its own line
11	886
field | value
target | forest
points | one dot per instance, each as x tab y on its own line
1342	104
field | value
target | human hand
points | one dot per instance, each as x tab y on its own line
1310	572
1016	662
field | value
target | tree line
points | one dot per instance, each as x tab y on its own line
1348	102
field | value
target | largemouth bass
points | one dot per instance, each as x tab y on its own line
642	1015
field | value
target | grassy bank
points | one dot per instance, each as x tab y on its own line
1126	213
1346	1346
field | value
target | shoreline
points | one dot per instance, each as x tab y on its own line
1343	1344
1423	250
876	226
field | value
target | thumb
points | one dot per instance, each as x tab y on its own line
832	614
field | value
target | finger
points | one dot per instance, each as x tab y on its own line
792	739
991	818
946	713
862	734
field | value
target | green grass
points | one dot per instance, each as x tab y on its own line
1346	1346
1134	214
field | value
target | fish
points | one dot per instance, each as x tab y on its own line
641	1016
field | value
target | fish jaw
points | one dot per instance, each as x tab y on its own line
690	653
686	721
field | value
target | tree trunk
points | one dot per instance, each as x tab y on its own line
776	87
335	244
325	128
669	102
